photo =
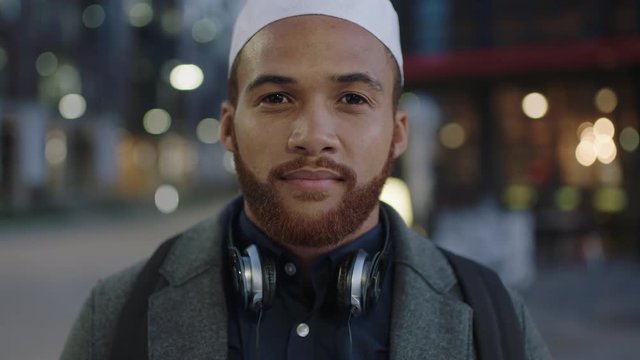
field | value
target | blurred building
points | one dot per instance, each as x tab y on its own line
531	107
540	112
91	107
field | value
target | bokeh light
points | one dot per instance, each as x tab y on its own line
208	131
72	106
588	134
519	197
596	143
452	136
167	199
140	14
68	79
408	99
586	153
610	199
93	16
55	149
156	121
582	127
186	77
171	21
605	127
417	106
605	149
47	64
606	100
535	105
567	198
629	139
204	31
396	193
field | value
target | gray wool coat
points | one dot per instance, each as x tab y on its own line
188	319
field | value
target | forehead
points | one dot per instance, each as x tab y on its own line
315	45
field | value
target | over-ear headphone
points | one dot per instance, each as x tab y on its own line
358	283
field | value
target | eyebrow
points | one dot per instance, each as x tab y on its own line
359	77
269	79
346	78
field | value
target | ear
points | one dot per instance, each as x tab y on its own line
227	114
400	133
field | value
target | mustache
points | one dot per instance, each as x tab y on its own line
344	171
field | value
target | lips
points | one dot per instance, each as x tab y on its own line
321	175
312	175
312	180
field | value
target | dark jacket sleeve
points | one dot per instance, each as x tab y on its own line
92	333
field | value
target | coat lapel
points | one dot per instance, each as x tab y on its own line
428	319
188	318
189	321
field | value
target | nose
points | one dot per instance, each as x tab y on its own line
314	133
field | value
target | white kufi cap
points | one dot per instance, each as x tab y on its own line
376	16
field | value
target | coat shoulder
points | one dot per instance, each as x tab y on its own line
194	251
534	345
92	332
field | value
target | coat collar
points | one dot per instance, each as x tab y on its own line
189	318
428	320
200	248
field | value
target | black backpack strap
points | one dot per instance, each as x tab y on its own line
496	329
130	340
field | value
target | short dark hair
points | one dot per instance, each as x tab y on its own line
233	91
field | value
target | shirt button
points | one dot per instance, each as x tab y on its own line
290	269
302	330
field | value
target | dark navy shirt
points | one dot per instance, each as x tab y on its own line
304	321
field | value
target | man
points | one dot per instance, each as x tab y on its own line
307	264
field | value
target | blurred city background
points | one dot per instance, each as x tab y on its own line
523	151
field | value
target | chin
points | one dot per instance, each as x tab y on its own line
311	202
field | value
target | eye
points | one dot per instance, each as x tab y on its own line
353	99
275	98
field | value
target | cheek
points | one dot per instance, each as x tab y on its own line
370	151
260	148
254	156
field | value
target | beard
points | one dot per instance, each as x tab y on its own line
325	229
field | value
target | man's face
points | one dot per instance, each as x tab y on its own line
314	130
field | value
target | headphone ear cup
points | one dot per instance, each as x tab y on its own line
366	290
268	279
343	283
237	276
375	272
